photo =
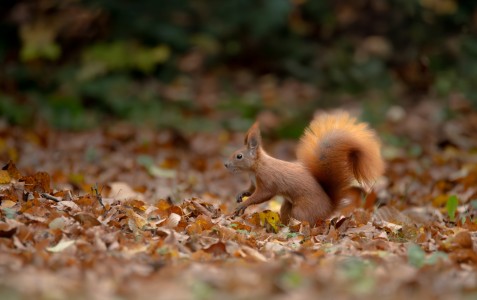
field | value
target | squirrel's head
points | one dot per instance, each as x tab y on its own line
244	159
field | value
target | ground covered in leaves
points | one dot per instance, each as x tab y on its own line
122	212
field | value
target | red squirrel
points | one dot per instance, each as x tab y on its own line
334	151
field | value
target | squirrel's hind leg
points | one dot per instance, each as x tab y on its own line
285	212
312	212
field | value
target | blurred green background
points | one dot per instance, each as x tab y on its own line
77	64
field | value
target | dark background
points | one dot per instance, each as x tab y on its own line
195	65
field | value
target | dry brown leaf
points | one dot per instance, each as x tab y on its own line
7	230
463	239
68	205
12	170
368	228
122	191
193	229
250	252
35	218
178	227
39	182
217	249
464	256
86	219
138	220
204	222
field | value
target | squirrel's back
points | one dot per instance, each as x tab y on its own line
337	149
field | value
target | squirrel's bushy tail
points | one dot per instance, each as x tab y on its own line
338	150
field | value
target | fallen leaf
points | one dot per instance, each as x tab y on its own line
451	207
4	177
7	204
123	191
58	223
216	249
254	254
12	170
148	163
415	255
7	230
39	182
391	227
138	220
464	256
61	246
86	219
172	221
68	205
463	239
270	220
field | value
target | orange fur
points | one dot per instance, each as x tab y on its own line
337	149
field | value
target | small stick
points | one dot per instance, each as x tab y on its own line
48	196
97	194
202	209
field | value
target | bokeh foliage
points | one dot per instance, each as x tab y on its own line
75	61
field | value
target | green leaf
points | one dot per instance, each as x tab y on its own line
121	56
9	212
38	41
291	235
292	280
416	256
58	223
16	113
451	207
435	257
145	161
202	290
473	203
153	170
359	271
355	268
161	172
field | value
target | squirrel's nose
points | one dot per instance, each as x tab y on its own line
226	164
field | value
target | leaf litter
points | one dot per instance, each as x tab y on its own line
144	218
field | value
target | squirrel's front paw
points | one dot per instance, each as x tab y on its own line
240	196
240	209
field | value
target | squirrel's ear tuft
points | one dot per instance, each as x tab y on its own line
253	138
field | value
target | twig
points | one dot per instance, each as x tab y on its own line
48	196
202	209
97	194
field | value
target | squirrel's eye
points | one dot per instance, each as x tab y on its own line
239	156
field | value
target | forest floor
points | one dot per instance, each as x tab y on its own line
121	212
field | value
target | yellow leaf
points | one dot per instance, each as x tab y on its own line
161	53
440	200
7	203
38	41
442	7
270	220
4	177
